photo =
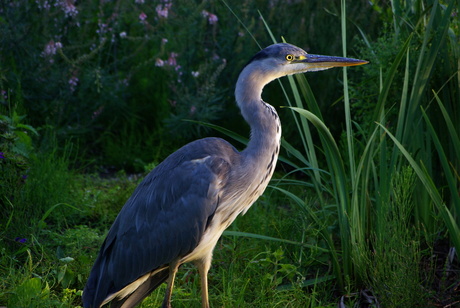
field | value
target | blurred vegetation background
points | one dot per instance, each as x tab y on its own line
94	94
120	77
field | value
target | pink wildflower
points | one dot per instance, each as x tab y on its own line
172	59
159	62
163	10
142	16
212	19
97	113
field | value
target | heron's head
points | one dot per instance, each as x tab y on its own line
279	60
285	59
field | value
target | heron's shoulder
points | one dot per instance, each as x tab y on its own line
212	144
212	152
206	147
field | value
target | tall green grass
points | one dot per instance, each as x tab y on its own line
359	175
393	266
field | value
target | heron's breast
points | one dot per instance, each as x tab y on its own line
243	187
252	185
230	206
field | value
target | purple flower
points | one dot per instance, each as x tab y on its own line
73	82
103	28
20	240
46	5
69	8
142	16
163	9
50	50
2	156
172	59
212	19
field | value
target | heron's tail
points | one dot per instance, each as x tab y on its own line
142	291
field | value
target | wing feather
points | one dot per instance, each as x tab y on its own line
163	220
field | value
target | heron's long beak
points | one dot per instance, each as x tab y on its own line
320	62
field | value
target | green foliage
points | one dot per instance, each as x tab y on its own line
104	198
134	142
30	293
203	104
15	135
33	285
114	72
16	149
357	173
276	270
49	182
65	249
393	269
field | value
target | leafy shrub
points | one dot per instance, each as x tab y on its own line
114	73
16	151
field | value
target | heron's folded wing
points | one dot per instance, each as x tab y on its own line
163	220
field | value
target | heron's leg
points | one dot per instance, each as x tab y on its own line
203	268
173	266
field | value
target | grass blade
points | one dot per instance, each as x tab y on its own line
339	183
273	239
449	175
426	180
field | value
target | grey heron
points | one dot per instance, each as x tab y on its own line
179	211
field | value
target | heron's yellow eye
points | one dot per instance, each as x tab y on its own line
289	57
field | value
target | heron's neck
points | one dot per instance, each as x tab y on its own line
261	117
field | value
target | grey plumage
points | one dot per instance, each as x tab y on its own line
181	208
